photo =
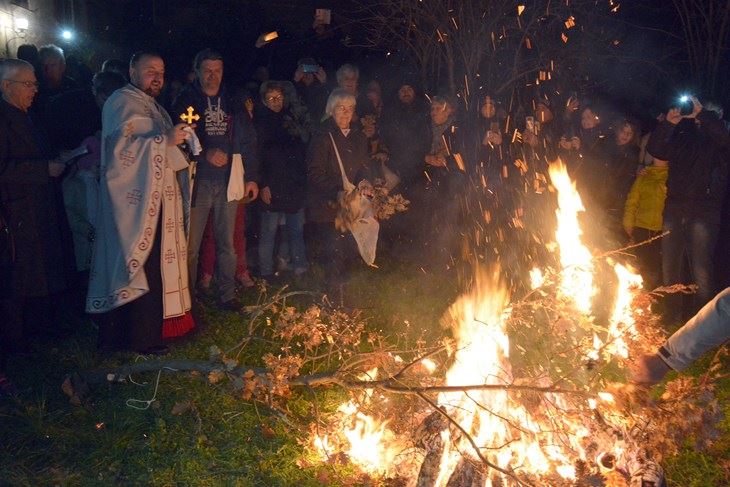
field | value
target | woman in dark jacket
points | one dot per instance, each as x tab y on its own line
283	179
325	181
605	177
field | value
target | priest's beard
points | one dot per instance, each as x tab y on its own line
153	91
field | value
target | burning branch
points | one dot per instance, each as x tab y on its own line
471	441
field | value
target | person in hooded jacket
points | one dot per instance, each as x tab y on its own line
606	176
223	131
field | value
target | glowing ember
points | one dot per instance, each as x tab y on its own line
370	444
323	447
429	365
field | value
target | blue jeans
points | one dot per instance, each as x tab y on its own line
294	223
708	329
212	195
695	238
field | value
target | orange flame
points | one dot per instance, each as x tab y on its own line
506	432
489	416
577	263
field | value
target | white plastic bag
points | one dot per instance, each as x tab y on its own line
236	183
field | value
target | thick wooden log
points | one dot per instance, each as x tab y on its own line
466	474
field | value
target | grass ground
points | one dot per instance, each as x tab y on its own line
217	439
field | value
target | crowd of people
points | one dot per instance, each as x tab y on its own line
139	199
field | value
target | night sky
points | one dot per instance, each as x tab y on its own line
649	66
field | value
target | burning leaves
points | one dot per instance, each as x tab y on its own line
530	396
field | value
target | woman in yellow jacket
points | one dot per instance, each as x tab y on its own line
643	218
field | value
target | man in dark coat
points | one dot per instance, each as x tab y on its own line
447	166
54	80
27	168
406	134
696	146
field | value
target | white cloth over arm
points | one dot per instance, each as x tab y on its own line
137	187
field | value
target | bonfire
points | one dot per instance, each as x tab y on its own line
526	392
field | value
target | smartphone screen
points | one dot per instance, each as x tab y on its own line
685	107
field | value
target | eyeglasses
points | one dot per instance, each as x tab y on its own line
345	109
274	98
27	84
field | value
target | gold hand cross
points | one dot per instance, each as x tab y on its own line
190	117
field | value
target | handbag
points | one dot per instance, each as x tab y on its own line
364	229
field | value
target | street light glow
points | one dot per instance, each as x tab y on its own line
21	23
67	35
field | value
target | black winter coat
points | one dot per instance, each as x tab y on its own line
324	180
407	135
698	163
30	201
283	165
607	173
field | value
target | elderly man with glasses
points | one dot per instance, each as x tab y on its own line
31	258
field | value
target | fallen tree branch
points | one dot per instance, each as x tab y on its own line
390	384
119	374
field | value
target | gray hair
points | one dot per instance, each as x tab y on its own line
337	96
10	67
347	70
51	51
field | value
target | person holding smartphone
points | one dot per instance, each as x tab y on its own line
696	145
310	80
